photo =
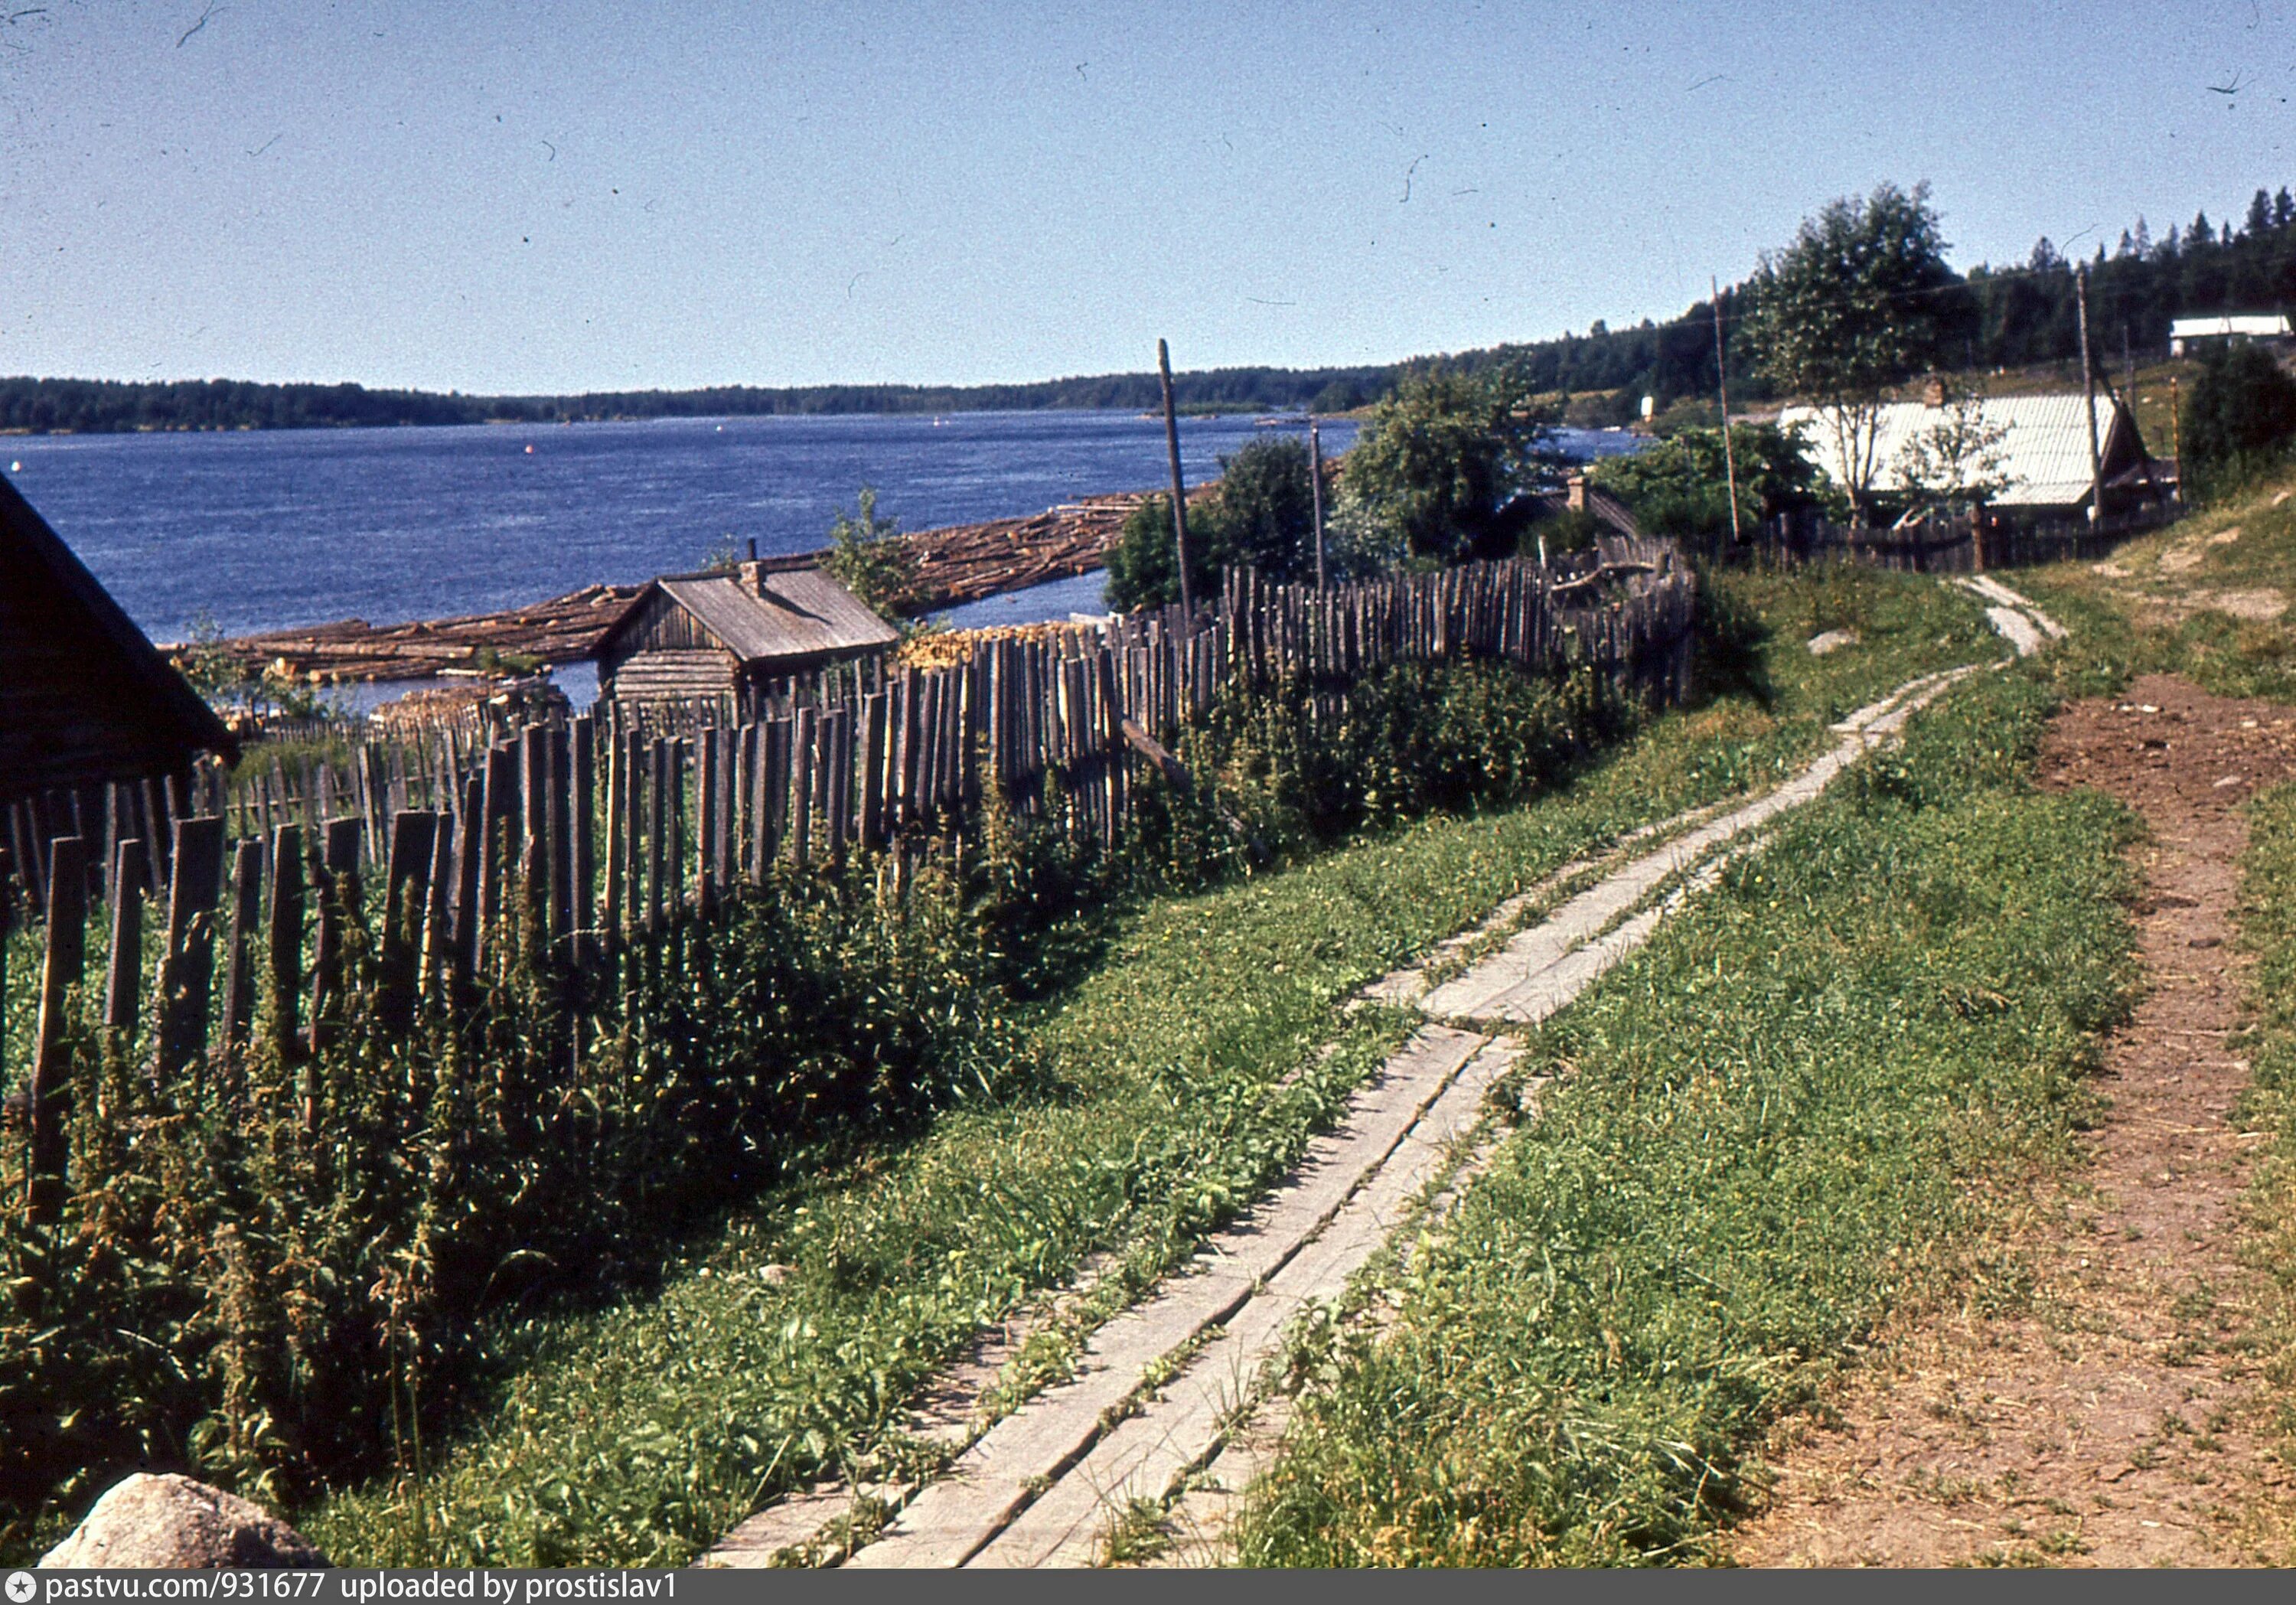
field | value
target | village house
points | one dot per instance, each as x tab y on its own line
733	633
2190	336
2042	451
86	700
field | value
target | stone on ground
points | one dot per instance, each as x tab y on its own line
169	1522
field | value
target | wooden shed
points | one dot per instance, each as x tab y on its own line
732	633
86	700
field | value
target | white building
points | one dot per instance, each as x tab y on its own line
2236	326
2044	446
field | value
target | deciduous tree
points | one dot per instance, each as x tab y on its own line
1861	300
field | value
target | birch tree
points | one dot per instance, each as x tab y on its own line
1958	461
1861	300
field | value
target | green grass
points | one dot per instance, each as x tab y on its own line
2268	919
1779	1120
1184	1078
2177	601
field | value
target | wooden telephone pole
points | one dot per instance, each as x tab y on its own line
1316	491
2088	399
1722	373
1179	490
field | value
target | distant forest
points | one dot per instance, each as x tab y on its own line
2004	316
98	405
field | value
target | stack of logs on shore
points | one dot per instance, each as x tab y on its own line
963	562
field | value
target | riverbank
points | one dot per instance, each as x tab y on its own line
957	564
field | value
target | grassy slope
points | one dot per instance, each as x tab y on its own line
1785	1115
2173	601
2268	926
636	1435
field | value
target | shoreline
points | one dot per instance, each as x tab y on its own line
956	563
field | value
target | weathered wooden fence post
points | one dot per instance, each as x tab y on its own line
584	860
405	893
187	959
338	906
49	1095
123	981
285	940
239	956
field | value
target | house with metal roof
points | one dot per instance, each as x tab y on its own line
733	632
86	700
2043	449
2186	332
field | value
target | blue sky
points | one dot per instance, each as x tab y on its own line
498	196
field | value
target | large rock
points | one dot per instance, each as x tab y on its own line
148	1521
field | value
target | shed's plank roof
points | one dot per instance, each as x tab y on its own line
803	614
2044	451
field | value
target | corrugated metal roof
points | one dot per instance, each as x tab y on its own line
2044	451
803	613
2261	325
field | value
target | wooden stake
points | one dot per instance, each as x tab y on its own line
50	1092
1316	491
1179	487
2089	398
1722	373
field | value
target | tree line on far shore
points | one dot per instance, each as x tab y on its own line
114	406
2005	316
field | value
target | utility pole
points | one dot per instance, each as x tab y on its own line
2176	436
1179	489
1316	490
2088	399
1722	373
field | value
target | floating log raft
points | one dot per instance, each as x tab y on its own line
959	564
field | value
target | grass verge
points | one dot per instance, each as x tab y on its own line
1184	1077
1784	1117
2268	917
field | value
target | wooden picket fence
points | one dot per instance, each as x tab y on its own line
1940	545
592	834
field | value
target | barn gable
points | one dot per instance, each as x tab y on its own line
85	698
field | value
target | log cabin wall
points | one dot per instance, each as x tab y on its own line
650	676
662	651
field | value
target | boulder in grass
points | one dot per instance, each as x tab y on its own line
149	1522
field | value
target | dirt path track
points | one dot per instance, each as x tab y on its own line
1162	1386
2101	1421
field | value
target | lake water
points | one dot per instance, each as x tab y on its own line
264	529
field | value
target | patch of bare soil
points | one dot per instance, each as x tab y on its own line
2107	1420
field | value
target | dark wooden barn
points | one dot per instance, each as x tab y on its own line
85	698
733	633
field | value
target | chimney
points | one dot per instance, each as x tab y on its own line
753	548
751	574
1576	493
1934	390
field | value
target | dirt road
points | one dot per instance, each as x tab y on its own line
2106	1418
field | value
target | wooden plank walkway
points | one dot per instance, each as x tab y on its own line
1042	1487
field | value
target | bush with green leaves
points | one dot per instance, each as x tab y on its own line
868	557
1260	516
1437	468
2239	419
1680	485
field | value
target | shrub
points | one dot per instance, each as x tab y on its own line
2240	417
